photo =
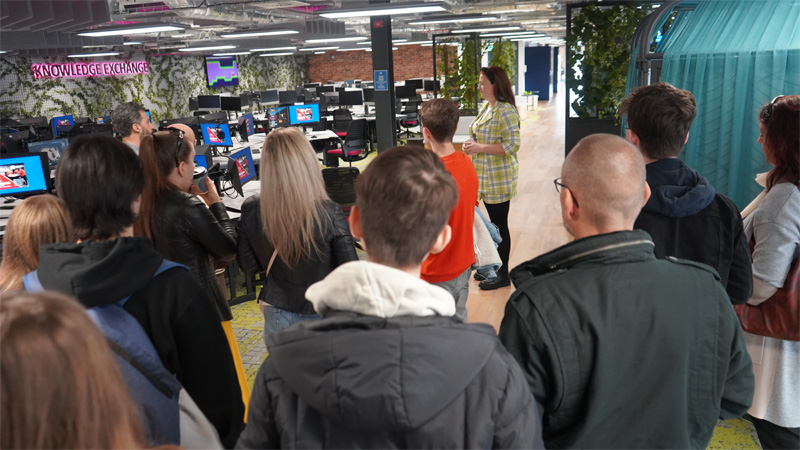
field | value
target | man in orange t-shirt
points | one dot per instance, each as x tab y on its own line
451	268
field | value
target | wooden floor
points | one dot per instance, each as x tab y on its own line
535	215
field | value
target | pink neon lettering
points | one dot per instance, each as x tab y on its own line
88	69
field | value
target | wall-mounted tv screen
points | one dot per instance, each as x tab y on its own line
216	134
222	71
24	174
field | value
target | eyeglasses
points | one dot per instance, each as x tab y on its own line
179	134
558	184
768	111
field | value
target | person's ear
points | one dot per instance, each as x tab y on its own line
426	134
569	206
136	206
183	167
687	138
647	193
632	137
442	240
355	223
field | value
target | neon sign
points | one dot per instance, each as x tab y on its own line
80	70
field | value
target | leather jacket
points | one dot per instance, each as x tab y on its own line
286	286
195	235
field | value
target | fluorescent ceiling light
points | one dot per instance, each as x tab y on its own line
534	39
449	19
258	33
92	55
509	11
392	9
272	49
350	49
3	51
414	43
96	46
319	53
231	54
513	34
340	39
364	43
395	41
485	30
131	43
428	45
133	30
277	54
203	49
395	48
317	49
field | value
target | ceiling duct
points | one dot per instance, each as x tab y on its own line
51	15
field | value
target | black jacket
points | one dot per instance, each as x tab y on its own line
173	309
354	381
623	350
285	287
195	235
688	219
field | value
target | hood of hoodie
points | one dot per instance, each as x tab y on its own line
98	272
381	372
677	189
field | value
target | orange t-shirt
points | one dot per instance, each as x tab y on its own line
460	252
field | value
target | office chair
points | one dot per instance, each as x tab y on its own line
341	122
412	117
340	184
356	145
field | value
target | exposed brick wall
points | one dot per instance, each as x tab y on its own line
410	61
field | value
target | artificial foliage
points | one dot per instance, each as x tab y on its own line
599	46
504	56
165	90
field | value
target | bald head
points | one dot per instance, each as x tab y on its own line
606	175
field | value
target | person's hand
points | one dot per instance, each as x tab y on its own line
211	196
470	147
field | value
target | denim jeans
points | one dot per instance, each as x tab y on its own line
276	319
458	287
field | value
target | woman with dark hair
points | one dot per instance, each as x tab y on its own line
36	221
774	226
495	142
185	225
292	229
59	383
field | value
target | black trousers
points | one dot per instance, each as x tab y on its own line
774	437
498	215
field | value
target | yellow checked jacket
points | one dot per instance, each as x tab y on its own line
497	174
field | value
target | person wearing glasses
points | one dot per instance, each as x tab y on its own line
685	216
772	224
100	180
621	349
494	145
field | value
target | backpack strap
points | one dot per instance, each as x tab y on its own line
165	265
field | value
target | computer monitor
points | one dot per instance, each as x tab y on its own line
207	151
193	104
201	161
324	88
287	97
102	120
278	117
24	174
350	98
53	149
311	85
369	95
246	98
216	134
37	122
60	120
241	169
328	99
231	103
405	91
208	102
92	128
432	85
191	122
247	125
149	119
415	82
13	142
217	117
304	114
269	96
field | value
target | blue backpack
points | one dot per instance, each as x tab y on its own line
150	385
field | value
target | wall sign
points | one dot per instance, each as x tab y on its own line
80	70
381	80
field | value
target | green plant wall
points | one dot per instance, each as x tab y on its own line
165	90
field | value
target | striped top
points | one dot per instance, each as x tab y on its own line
497	174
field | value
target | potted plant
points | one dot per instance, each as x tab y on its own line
598	51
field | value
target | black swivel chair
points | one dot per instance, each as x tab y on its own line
341	122
340	184
356	145
412	117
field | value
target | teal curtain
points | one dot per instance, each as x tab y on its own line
734	56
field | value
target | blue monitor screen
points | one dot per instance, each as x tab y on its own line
216	134
22	175
247	121
104	120
149	119
304	114
278	117
61	120
244	165
200	161
54	149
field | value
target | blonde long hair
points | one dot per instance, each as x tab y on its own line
292	192
38	220
60	384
